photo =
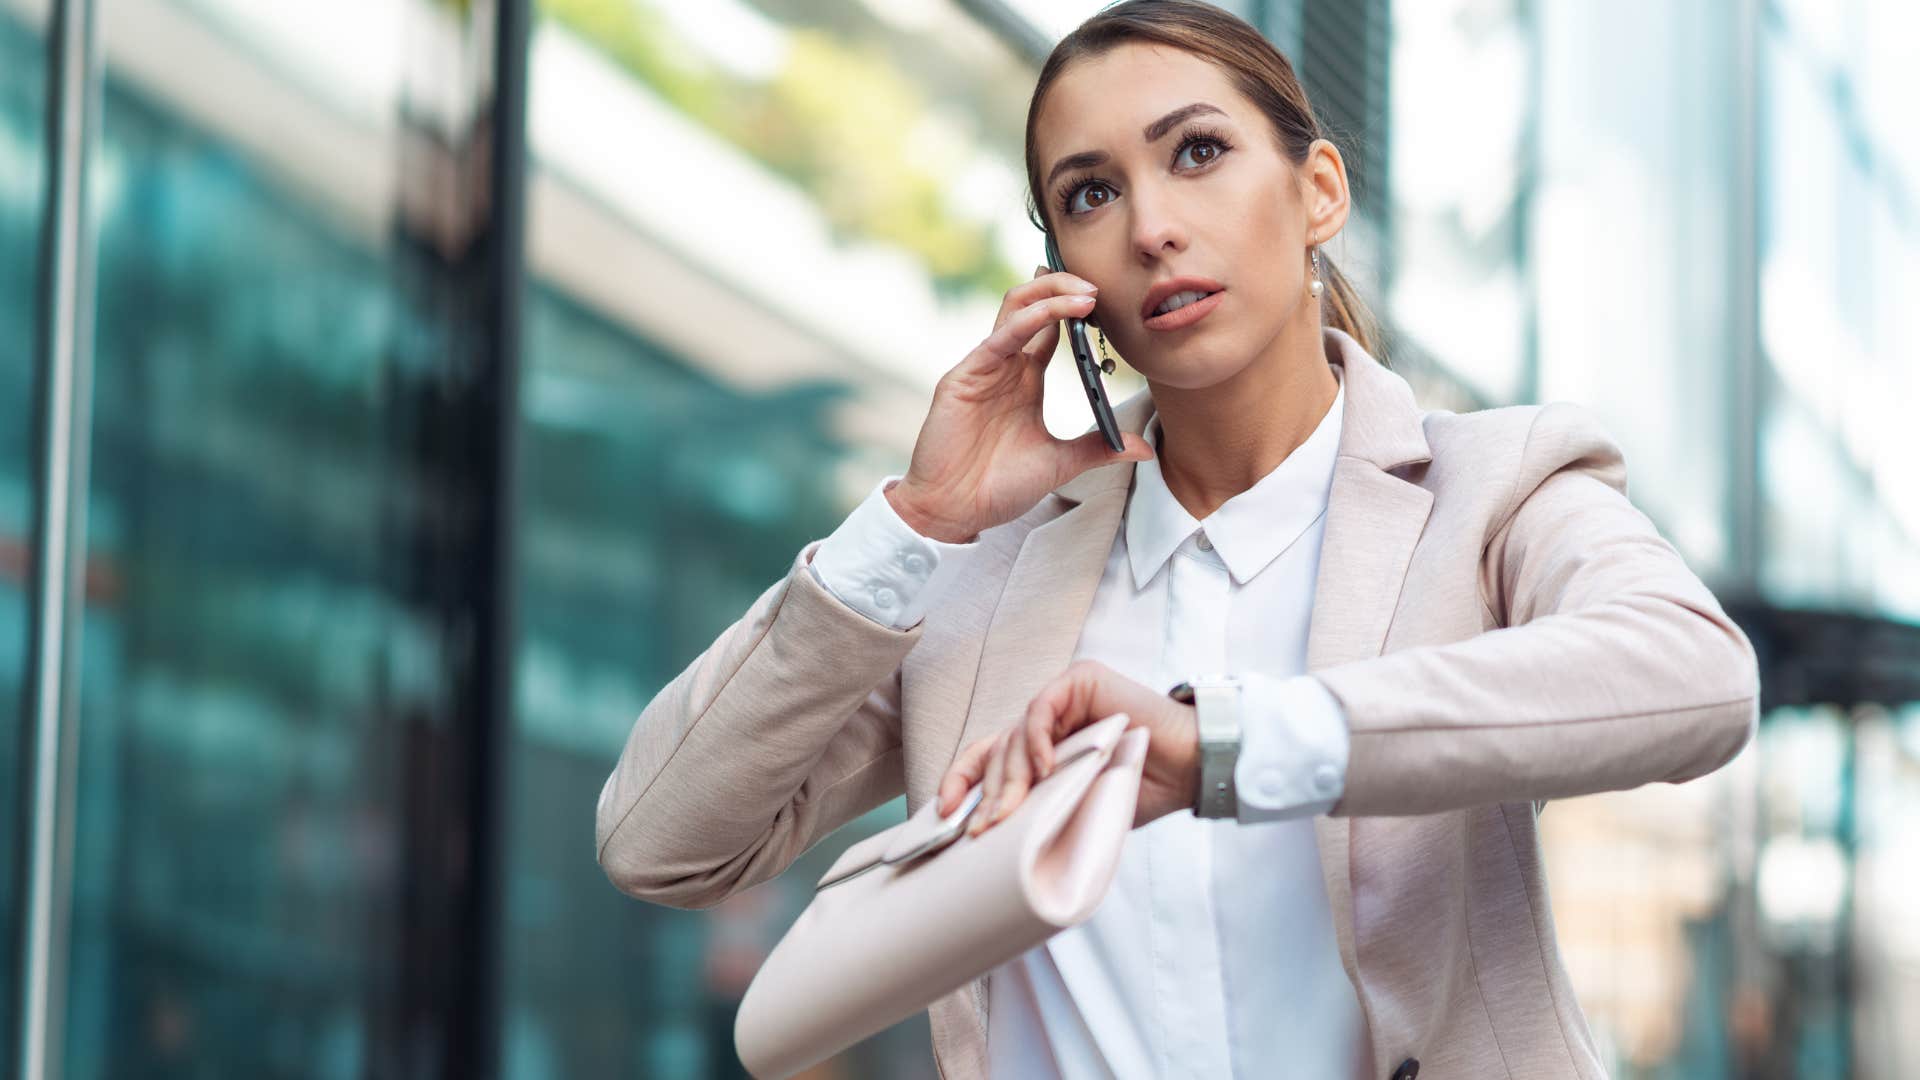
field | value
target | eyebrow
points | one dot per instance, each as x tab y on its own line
1153	132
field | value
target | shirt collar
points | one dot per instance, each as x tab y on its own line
1249	530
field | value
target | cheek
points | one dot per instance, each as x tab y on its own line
1272	248
1267	261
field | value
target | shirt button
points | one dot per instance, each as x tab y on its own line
884	596
916	564
1273	782
1326	779
1204	543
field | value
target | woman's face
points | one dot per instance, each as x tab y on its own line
1171	202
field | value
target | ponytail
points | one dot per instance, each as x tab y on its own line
1342	309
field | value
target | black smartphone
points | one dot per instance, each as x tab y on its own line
1089	369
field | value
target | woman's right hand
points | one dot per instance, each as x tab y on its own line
984	455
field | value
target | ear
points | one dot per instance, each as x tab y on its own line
1324	186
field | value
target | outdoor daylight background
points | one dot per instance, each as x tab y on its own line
460	369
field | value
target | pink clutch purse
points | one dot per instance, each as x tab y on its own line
913	913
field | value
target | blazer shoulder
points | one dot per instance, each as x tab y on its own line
1517	447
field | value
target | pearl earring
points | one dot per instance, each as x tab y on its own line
1106	362
1316	286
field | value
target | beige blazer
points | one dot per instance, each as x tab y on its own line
1501	625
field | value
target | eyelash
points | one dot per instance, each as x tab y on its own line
1063	196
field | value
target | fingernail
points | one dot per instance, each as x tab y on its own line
1080	299
1086	286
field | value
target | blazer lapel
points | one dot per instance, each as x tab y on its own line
1031	638
1374	519
1049	590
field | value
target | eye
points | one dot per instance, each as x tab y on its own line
1190	143
1214	144
1089	185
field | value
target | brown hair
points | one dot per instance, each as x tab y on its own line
1254	66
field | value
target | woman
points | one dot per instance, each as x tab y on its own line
1435	622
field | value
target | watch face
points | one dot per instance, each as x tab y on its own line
1183	693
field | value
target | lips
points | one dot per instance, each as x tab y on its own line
1161	290
1186	316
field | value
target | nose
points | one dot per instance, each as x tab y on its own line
1157	229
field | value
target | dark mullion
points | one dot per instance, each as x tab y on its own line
474	1022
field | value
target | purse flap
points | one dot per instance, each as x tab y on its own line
927	831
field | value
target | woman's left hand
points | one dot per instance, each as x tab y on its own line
1012	761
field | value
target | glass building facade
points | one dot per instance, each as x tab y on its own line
461	369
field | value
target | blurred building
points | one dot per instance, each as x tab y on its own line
460	370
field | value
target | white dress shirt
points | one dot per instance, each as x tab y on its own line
1213	955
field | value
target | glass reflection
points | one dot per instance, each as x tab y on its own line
22	168
257	677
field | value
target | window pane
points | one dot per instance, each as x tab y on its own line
262	664
22	168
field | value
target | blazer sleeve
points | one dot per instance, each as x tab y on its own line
1611	664
784	729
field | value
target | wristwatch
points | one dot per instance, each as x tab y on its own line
1216	701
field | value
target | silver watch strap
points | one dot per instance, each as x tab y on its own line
1216	701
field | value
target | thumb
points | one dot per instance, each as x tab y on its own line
1091	451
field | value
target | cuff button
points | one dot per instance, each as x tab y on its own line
884	597
1326	779
1273	783
916	564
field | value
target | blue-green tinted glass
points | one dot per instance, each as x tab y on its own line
247	663
22	163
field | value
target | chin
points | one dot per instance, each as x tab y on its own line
1181	372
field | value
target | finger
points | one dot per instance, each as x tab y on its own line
1047	341
1090	450
1010	337
966	771
1040	744
1045	283
1019	773
1040	350
1066	704
996	769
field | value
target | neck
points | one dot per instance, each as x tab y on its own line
1219	441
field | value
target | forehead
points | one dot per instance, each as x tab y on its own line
1103	102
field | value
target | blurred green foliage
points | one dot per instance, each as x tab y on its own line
834	120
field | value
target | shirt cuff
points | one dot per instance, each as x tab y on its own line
879	566
1293	748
